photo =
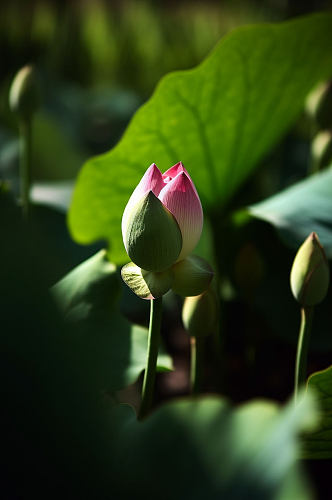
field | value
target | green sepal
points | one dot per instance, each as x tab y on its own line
152	238
146	284
191	276
310	274
200	314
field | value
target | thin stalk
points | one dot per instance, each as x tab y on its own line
197	345
302	349
25	164
153	346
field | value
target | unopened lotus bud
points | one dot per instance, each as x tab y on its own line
24	94
152	236
200	314
310	273
323	112
322	149
176	191
191	276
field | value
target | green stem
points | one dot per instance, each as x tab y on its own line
302	349
153	346
196	363
25	164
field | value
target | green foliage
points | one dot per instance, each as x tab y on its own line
55	156
219	119
318	444
108	351
201	448
58	373
301	209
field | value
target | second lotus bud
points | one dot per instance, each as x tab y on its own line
310	273
200	314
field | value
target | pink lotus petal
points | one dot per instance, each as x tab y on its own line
174	171
152	180
180	197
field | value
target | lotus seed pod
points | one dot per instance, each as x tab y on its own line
310	273
152	236
191	276
200	314
24	94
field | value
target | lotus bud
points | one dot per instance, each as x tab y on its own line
310	273
152	236
24	94
163	219
323	110
321	149
200	314
191	276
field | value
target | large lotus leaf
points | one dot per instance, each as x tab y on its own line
201	448
318	444
219	118
301	209
105	347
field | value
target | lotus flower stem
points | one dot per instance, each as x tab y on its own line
25	163
302	348
196	363
153	346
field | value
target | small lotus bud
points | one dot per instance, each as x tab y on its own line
310	273
191	276
322	149
323	112
200	314
152	236
24	94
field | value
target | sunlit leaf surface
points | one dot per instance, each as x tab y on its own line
107	349
219	118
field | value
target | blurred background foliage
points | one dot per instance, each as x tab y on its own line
98	61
